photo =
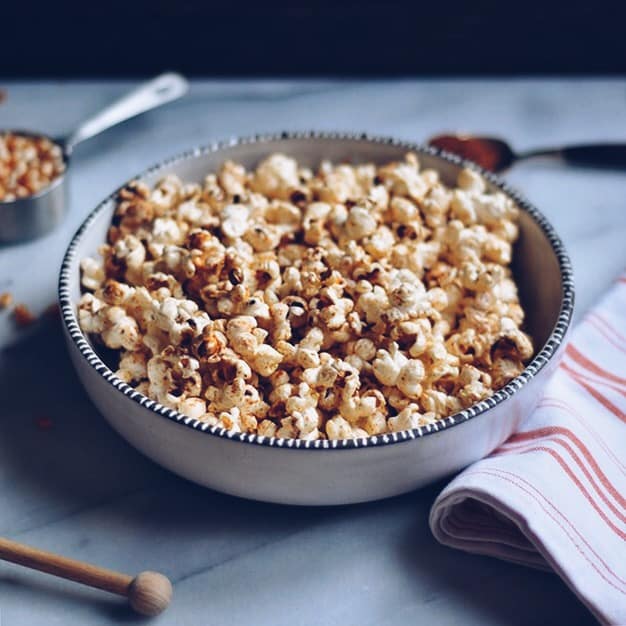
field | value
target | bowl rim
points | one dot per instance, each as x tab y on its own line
539	361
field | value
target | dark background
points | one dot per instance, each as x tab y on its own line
78	38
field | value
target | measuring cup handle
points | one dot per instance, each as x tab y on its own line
154	93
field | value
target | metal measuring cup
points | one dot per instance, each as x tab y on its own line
34	215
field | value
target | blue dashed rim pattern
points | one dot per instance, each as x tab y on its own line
539	361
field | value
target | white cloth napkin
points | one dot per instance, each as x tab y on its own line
554	495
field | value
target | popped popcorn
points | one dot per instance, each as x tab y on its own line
23	316
353	301
6	300
28	164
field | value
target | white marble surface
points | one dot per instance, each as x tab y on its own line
68	483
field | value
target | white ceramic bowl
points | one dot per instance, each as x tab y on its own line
327	472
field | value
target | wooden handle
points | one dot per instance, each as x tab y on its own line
98	577
149	593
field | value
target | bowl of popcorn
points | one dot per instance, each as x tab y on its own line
315	318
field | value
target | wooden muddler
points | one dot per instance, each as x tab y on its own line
149	593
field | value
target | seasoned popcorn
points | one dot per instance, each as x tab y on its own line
6	300
353	301
27	165
23	316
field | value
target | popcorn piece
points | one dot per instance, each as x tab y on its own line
267	428
388	365
504	370
410	378
133	367
23	316
403	210
469	180
192	407
365	349
474	385
6	299
404	178
410	418
92	273
307	352
276	176
360	223
232	178
340	428
262	358
165	194
234	220
120	330
89	314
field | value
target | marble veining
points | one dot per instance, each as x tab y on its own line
69	483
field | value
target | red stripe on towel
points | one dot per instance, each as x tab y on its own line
604	327
549	432
568	471
556	403
596	394
588	364
501	474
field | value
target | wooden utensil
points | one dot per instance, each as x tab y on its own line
148	593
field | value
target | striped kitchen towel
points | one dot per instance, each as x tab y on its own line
554	495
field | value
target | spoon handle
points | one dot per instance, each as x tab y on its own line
604	155
149	593
598	155
160	90
57	565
